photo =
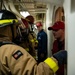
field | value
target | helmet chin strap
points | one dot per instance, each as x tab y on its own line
12	29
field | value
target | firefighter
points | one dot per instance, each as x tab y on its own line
32	36
22	35
15	60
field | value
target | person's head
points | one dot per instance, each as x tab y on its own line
58	30
8	24
39	26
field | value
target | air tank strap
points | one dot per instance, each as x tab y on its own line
5	42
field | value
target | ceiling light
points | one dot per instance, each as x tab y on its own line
24	13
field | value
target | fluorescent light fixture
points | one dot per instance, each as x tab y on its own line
24	13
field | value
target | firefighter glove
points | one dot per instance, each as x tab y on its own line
61	57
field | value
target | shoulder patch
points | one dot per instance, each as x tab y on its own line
17	54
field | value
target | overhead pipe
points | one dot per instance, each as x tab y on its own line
36	9
13	9
6	5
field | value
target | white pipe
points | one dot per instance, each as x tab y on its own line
13	9
6	5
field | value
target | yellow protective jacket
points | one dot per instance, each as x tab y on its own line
14	60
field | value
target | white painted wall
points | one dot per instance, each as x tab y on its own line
70	34
49	23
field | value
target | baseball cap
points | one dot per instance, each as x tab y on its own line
57	25
38	24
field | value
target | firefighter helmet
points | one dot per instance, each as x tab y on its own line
24	22
7	18
30	19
